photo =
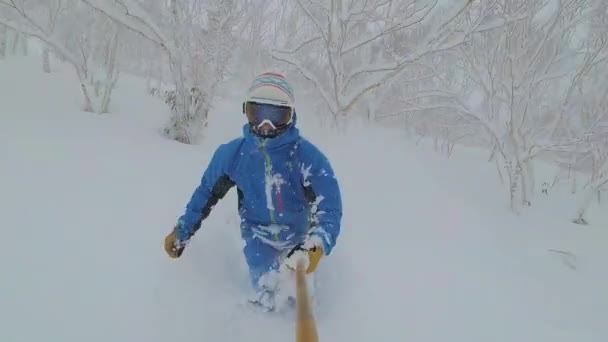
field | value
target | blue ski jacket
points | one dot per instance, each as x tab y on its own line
286	188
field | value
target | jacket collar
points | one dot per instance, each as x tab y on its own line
290	136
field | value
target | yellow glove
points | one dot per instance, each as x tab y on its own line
312	254
171	247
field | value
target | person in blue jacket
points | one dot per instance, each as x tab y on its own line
288	195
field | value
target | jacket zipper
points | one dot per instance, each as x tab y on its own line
279	206
268	173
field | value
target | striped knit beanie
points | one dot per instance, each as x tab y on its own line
271	88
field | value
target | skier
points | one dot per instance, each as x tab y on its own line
288	196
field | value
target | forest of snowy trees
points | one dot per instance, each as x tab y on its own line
526	79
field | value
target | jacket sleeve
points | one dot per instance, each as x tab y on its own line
320	180
213	186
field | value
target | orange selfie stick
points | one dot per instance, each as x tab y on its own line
306	327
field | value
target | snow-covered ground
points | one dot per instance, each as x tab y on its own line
428	250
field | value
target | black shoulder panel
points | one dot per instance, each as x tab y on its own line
220	189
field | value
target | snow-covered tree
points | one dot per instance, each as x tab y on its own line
53	9
351	48
22	17
518	75
195	36
95	39
107	48
586	121
256	30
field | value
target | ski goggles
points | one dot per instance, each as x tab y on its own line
258	113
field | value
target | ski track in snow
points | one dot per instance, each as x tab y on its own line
87	199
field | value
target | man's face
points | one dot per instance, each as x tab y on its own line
266	128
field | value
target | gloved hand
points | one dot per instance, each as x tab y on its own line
174	247
311	250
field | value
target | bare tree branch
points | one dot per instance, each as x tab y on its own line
308	75
416	18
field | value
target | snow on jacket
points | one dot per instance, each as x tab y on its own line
284	182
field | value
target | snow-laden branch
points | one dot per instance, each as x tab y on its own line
421	52
300	46
307	74
43	36
430	44
386	67
416	18
22	13
454	108
134	18
591	60
432	93
556	30
314	21
499	22
552	76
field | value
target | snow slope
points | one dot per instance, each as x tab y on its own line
428	251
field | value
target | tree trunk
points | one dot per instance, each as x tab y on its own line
493	153
112	78
520	182
87	105
15	45
573	184
178	127
589	195
511	168
526	182
149	80
3	40
502	180
580	213
24	45
46	63
111	73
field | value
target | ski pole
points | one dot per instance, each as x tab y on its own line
306	327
